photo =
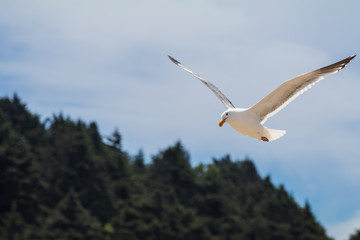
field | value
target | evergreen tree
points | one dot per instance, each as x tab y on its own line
19	183
63	181
355	236
171	169
70	220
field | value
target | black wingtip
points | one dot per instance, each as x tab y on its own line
174	60
336	67
346	61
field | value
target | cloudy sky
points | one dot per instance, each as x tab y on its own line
106	61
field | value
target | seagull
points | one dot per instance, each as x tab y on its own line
249	121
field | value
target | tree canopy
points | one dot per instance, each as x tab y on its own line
60	179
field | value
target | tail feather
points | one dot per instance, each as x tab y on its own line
273	134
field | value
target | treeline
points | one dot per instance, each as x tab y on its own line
60	180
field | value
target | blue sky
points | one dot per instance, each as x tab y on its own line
105	61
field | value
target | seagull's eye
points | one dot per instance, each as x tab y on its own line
227	114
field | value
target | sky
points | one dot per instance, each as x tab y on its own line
106	61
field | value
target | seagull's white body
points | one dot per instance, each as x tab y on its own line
250	121
244	122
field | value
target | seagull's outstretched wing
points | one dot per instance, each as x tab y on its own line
217	92
291	89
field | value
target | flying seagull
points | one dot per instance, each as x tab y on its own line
249	121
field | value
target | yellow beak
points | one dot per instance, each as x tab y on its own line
222	122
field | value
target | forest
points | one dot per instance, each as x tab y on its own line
60	179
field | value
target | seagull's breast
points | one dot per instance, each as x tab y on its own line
245	123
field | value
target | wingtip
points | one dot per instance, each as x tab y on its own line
346	61
173	60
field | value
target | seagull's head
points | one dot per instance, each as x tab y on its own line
226	115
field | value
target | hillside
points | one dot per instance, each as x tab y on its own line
60	180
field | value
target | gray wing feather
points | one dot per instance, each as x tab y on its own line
212	87
291	89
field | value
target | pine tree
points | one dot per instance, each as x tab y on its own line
355	236
63	181
70	220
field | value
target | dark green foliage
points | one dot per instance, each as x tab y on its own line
355	236
63	181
